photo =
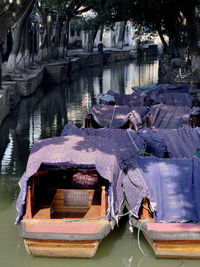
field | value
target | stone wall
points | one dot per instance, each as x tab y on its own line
4	105
53	72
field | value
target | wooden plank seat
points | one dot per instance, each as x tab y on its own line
75	203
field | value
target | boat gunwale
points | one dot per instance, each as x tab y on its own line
167	235
104	231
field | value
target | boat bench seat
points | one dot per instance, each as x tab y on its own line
76	203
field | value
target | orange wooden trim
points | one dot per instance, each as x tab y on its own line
145	210
90	123
131	125
28	203
87	123
149	121
103	201
40	173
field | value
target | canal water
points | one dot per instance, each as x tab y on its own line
44	115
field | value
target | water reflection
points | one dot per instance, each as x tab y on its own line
123	76
44	115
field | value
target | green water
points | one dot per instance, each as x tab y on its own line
44	115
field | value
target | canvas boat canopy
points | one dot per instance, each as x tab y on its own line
166	94
172	98
79	149
178	143
127	143
108	116
172	185
155	145
182	142
148	89
130	100
169	117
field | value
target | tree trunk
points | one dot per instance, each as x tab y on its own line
23	57
0	66
91	35
62	47
57	39
101	33
180	46
89	45
165	46
120	39
16	35
49	43
43	51
192	38
43	48
17	32
67	36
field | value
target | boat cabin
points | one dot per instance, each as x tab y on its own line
90	122
66	194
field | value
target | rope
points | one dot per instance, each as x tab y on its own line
149	210
94	218
132	140
142	152
124	214
85	219
138	239
111	121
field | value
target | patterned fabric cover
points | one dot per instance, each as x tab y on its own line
183	88
181	142
131	100
168	94
155	145
169	117
106	150
117	116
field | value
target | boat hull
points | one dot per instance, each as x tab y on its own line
186	249
61	248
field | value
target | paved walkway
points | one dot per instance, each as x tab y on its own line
71	53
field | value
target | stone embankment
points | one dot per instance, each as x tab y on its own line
17	86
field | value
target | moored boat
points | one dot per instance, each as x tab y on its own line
118	117
66	204
165	206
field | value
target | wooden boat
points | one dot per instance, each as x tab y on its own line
168	240
66	205
172	117
168	215
118	117
66	219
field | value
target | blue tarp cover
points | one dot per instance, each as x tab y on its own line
175	187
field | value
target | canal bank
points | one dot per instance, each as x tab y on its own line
17	86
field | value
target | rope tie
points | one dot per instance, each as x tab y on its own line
138	238
111	121
85	219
